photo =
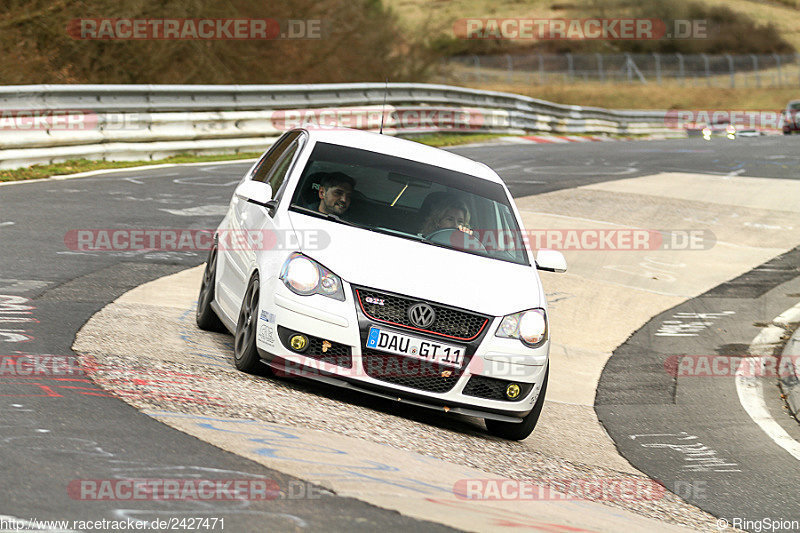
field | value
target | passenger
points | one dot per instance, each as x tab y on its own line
447	214
335	194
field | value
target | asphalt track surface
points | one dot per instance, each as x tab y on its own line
54	431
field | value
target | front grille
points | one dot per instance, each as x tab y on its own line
493	389
336	354
449	322
409	372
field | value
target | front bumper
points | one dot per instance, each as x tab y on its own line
340	330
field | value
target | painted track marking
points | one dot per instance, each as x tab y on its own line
751	395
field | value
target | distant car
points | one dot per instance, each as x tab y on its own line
790	118
722	128
402	298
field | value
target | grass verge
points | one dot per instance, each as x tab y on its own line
452	139
74	166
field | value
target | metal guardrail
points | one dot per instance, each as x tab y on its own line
152	121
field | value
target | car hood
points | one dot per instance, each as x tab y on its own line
403	266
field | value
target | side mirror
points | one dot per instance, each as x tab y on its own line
257	192
551	261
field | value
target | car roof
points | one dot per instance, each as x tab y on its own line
389	145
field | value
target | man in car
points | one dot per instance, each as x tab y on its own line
335	193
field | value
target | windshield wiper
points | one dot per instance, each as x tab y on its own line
329	216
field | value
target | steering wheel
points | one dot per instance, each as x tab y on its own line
470	241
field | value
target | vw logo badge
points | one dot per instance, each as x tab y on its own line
421	315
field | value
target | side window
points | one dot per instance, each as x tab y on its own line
277	180
270	158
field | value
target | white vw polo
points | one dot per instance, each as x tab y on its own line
388	267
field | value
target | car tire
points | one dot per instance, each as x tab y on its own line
245	353
205	316
520	431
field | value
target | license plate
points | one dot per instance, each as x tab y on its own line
427	350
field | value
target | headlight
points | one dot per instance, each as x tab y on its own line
530	327
305	277
302	275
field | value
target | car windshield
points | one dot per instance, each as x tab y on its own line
795	106
410	200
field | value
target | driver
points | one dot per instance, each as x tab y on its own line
335	194
447	214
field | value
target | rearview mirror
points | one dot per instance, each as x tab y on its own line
551	260
408	181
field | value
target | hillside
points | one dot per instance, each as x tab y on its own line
361	41
750	32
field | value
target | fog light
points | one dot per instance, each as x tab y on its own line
298	343
512	391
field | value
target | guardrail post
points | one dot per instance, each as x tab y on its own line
628	65
570	67
797	59
707	69
477	61
477	64
681	68
755	70
732	71
541	69
633	68
601	75
657	58
778	63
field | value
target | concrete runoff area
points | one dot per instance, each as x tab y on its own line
604	297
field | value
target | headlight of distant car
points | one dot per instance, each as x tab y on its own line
304	276
530	327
